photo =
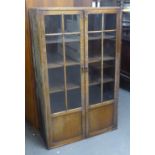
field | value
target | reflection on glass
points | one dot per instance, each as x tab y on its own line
53	23
56	79
94	22
72	52
72	23
108	74
54	54
109	44
74	98
94	73
73	76
94	46
95	94
109	21
72	37
53	39
108	91
94	36
109	35
57	102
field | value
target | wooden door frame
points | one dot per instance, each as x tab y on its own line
49	115
117	66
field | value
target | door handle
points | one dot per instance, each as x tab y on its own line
84	68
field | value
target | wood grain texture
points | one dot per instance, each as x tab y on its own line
30	94
67	126
100	118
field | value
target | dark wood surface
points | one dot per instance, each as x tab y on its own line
125	65
31	111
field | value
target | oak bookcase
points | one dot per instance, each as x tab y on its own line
76	55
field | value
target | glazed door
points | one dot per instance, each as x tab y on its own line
100	43
64	54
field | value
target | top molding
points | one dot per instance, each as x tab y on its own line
73	8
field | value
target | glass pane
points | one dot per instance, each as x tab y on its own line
94	22
94	46
73	76
109	3
95	83
108	91
109	21
108	74
109	45
72	23
72	48
54	54
95	94
109	64
56	79
74	98
57	102
53	23
94	73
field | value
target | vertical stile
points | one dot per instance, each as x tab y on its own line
102	40
117	64
82	57
64	56
86	74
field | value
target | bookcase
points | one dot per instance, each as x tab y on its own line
76	55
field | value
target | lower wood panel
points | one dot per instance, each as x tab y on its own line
66	127
100	118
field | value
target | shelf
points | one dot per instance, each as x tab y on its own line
94	38
98	58
69	62
92	83
107	58
55	65
94	59
72	63
108	79
109	36
105	36
70	86
57	89
98	81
